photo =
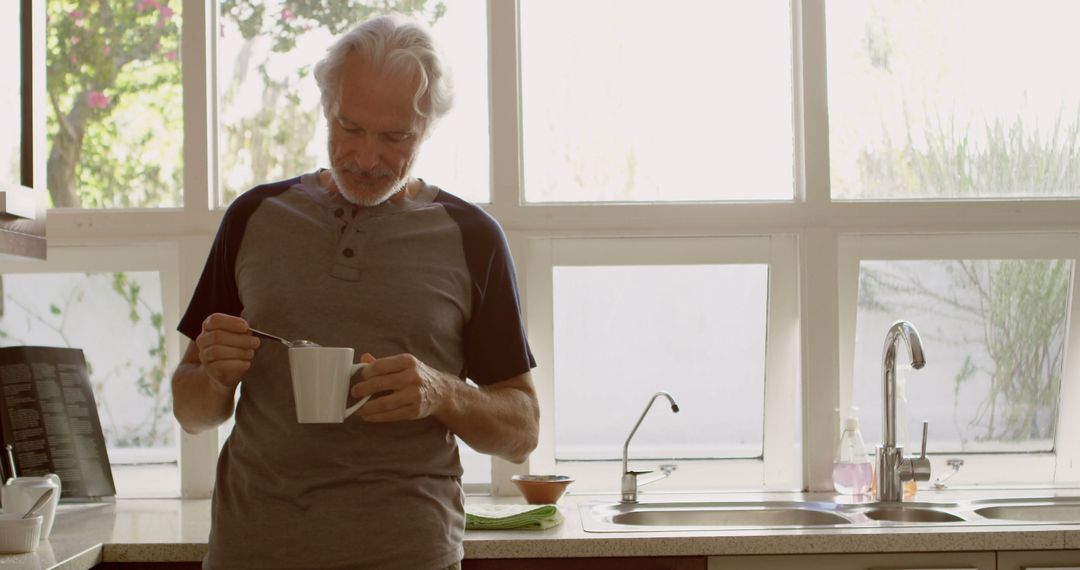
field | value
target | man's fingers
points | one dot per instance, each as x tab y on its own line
217	352
391	364
392	407
221	321
222	337
374	384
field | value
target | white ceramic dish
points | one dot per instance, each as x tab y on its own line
19	535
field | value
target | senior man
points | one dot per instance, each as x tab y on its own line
363	255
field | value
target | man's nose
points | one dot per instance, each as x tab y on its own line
366	153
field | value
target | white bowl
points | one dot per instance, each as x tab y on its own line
19	535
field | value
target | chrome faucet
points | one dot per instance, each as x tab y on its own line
892	468
629	478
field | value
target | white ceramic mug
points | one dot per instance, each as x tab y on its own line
23	492
320	380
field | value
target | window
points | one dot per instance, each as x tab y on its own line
790	162
691	317
958	111
994	325
116	113
117	318
618	105
266	54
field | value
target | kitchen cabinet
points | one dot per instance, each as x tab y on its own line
897	561
22	130
1042	560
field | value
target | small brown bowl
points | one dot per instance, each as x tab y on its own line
541	489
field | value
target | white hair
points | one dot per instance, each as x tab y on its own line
391	43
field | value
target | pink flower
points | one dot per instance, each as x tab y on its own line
97	100
142	5
75	14
106	50
171	56
167	12
287	15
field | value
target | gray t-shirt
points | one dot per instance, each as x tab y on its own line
430	275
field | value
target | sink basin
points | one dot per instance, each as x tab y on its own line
912	515
1034	512
615	517
754	516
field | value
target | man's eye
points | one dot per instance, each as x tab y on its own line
398	137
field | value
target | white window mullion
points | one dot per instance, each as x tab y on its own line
781	436
504	83
198	454
1067	445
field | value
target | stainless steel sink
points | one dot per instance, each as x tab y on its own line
732	515
615	517
907	514
750	516
1037	510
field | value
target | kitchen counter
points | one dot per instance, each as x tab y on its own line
167	530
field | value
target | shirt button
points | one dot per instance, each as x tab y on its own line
348	252
339	212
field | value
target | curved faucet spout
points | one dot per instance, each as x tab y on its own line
899	330
629	479
892	468
626	446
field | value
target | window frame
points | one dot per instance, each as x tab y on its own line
812	220
1055	466
778	468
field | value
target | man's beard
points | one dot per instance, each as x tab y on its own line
366	198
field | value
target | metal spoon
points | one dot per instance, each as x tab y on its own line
41	502
11	462
298	343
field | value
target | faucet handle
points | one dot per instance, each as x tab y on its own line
920	466
925	429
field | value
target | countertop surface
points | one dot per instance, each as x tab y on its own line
132	530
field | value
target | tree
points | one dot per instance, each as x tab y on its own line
114	89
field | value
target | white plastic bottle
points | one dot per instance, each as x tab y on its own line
853	470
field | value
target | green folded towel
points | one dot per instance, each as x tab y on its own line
499	517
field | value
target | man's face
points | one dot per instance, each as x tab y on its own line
376	134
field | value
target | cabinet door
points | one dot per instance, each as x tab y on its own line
902	561
1039	560
636	563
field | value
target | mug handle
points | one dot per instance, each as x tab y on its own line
55	479
352	409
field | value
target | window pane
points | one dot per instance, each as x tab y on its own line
961	99
618	106
994	337
115	318
115	119
624	332
271	121
10	96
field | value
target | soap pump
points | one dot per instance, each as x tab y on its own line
853	471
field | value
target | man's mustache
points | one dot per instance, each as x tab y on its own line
353	169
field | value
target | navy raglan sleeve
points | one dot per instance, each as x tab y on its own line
216	291
496	348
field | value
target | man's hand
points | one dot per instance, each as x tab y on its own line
408	388
226	349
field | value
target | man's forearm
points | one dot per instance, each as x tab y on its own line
502	420
199	403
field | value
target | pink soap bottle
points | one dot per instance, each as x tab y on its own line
853	469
